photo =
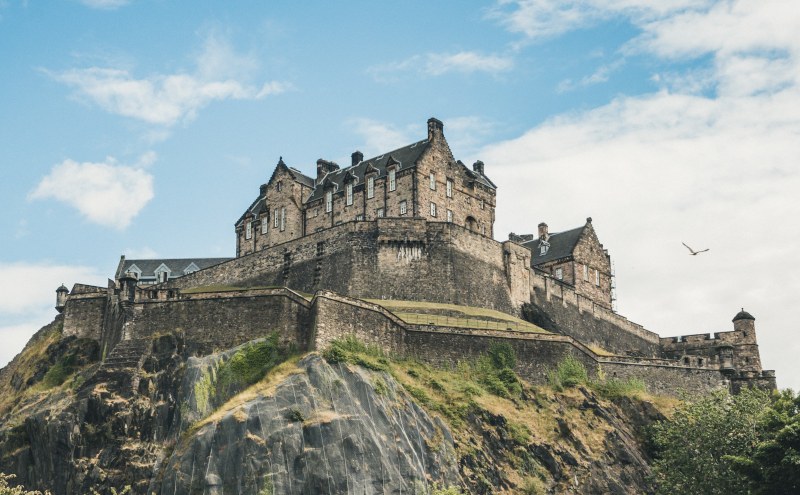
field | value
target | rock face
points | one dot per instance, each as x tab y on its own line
165	417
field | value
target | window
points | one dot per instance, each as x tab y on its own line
544	246
586	273
276	218
279	186
433	209
349	194
248	230
686	361
320	248
392	179
483	229
379	213
483	204
433	181
283	219
162	276
449	188
403	208
371	187
359	218
699	361
597	278
559	273
449	215
328	201
265	223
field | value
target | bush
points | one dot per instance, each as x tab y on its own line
249	364
613	388
570	373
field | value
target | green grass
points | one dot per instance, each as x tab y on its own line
426	313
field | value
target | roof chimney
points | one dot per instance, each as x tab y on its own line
357	157
324	167
435	128
263	189
478	167
543	233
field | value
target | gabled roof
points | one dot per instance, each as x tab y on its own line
175	265
406	156
562	244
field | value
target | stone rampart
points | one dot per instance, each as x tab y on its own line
84	315
562	310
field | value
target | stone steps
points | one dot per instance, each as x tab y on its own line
120	369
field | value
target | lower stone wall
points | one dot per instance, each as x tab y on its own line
224	322
84	315
668	380
555	313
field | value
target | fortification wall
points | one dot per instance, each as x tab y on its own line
224	320
557	307
84	315
391	258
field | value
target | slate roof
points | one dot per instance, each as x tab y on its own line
176	265
406	156
562	244
743	315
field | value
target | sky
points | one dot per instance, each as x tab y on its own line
145	128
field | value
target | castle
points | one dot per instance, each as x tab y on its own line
324	257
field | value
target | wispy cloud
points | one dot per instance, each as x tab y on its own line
107	193
599	76
166	99
438	64
105	4
380	137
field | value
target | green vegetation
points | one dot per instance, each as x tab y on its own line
351	350
7	489
249	364
571	373
454	315
722	444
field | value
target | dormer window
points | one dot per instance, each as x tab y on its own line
544	246
371	187
392	179
328	201
162	273
248	231
559	273
349	194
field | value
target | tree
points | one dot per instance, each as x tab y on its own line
774	466
695	450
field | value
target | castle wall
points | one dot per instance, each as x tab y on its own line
558	308
223	320
84	315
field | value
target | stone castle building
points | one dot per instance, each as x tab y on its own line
316	256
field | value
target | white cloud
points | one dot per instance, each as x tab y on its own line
107	193
437	64
710	159
381	137
166	99
28	304
105	4
599	76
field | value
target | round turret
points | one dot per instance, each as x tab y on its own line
61	298
745	323
743	315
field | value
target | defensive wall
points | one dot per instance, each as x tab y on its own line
223	319
397	258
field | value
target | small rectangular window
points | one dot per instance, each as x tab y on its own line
320	248
483	204
597	278
379	213
248	230
279	186
586	273
433	181
276	218
559	273
392	179
403	207
328	201
283	219
449	188
371	187
433	209
449	215
359	218
264	224
349	194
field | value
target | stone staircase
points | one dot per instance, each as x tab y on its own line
120	370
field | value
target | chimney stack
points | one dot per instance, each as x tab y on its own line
435	128
263	190
478	167
357	157
543	233
324	167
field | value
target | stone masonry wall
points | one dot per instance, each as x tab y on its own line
222	320
84	315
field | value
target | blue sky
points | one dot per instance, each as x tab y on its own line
145	128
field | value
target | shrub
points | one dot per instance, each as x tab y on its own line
613	388
249	364
570	372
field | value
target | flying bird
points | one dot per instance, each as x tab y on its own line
693	252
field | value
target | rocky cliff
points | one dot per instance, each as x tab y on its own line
167	416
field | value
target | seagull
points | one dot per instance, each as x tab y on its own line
693	252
